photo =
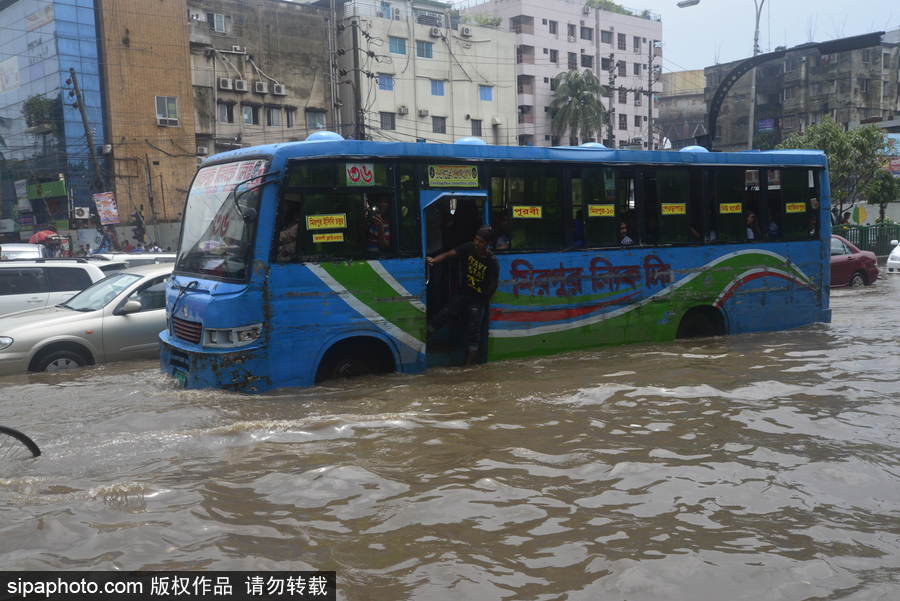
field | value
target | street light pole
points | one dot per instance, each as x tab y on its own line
751	126
758	5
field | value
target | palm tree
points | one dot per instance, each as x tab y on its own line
576	105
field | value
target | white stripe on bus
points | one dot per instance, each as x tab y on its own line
393	283
366	311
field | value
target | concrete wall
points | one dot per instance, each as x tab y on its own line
144	48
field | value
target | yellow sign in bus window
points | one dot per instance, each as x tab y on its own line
329	237
452	176
673	208
726	208
601	210
795	207
526	212
326	222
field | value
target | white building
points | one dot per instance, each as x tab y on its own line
408	70
553	36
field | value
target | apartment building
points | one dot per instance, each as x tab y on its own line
682	107
853	87
260	72
411	70
622	47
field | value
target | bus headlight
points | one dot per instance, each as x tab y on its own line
5	342
231	337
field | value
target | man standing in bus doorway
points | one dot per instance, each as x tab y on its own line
482	272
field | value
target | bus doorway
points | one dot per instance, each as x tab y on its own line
450	220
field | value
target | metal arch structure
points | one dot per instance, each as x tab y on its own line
840	45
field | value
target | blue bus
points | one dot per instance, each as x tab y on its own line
283	280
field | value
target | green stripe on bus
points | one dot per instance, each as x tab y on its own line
368	287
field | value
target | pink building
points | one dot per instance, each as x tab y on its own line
622	48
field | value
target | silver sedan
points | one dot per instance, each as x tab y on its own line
117	318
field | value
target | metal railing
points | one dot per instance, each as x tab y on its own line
876	238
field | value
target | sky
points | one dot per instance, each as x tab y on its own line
722	30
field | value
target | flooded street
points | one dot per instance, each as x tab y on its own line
763	466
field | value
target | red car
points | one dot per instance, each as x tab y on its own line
851	266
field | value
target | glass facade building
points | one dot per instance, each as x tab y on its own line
42	133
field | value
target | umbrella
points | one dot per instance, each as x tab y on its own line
41	236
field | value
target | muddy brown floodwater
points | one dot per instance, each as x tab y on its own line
761	466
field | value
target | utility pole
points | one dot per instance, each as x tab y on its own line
88	132
360	129
611	111
650	73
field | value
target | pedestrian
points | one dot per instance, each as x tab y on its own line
481	275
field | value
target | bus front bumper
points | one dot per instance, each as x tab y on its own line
239	370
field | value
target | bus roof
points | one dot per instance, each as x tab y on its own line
335	146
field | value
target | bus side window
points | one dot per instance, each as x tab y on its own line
535	208
728	204
672	198
594	189
799	217
752	206
410	231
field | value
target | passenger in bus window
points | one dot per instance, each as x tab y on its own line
501	237
287	237
774	231
624	238
578	229
752	226
482	272
379	225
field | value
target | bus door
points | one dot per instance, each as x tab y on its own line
450	219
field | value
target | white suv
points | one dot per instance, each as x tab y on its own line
43	283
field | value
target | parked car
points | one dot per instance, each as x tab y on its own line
851	266
17	250
117	318
893	260
135	259
41	283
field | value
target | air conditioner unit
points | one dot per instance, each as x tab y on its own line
240	85
571	38
465	31
82	213
238	49
402	110
202	150
496	121
435	32
586	9
106	149
396	14
261	87
278	89
423	112
225	83
166	122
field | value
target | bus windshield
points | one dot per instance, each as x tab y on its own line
218	232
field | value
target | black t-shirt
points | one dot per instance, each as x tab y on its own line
482	272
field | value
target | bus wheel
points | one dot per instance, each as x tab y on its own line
701	322
355	357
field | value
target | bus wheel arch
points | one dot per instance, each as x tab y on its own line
356	355
701	321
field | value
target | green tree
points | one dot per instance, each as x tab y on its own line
576	107
884	189
42	114
855	158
